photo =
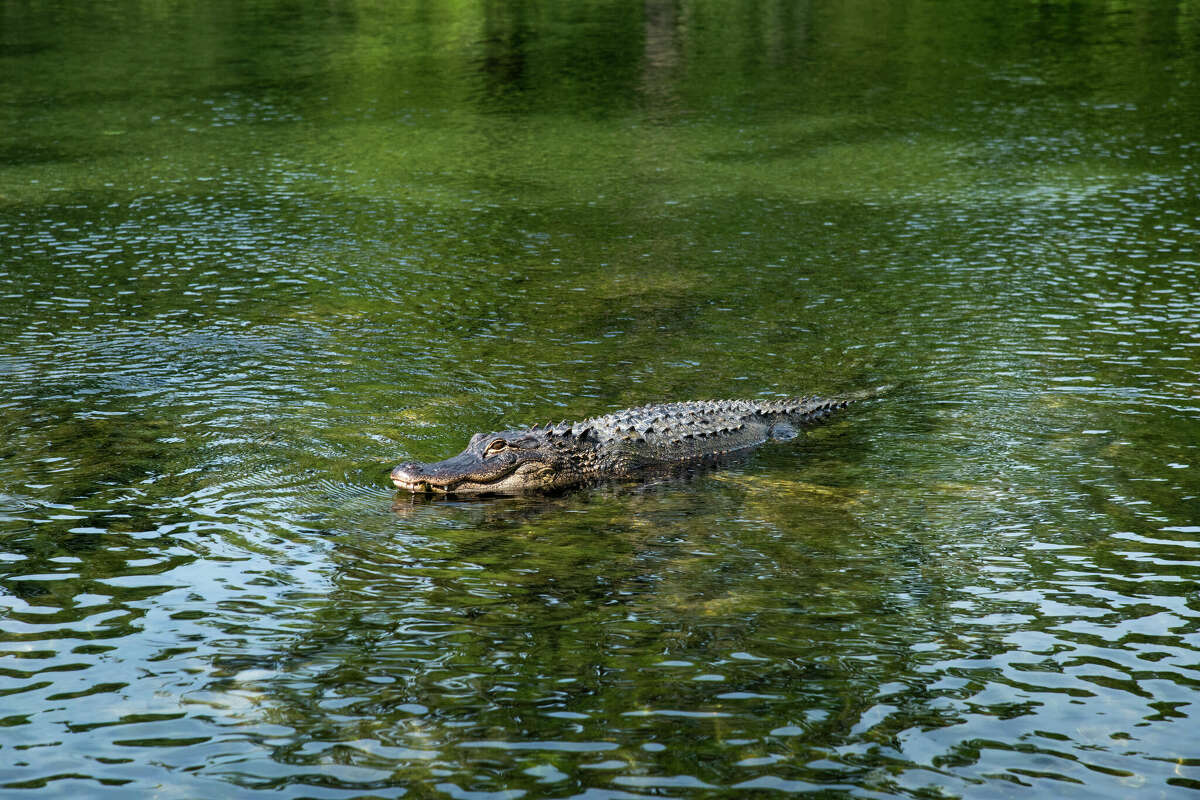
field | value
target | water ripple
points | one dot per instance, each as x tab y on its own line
250	267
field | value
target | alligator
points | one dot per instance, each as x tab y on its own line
618	445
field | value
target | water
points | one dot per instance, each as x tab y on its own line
254	254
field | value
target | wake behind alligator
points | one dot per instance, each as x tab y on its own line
618	445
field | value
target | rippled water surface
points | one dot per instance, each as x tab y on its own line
254	254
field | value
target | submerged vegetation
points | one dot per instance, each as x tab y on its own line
257	253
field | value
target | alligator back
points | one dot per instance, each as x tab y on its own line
673	432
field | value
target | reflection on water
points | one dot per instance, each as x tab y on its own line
256	254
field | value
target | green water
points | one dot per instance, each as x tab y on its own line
254	254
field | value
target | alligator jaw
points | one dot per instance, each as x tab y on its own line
406	480
414	478
419	479
416	486
410	477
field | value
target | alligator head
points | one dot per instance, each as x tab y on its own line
508	462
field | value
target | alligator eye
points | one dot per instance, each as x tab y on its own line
495	447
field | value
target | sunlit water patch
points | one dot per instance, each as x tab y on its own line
252	259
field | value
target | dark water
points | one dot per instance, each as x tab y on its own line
256	253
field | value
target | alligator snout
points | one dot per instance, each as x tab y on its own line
411	476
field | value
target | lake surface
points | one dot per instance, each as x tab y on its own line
253	254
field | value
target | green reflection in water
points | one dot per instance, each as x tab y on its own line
256	253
